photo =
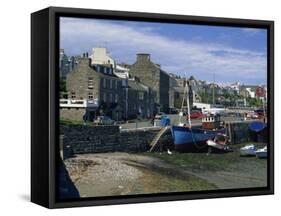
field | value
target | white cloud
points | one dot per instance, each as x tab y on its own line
176	56
252	31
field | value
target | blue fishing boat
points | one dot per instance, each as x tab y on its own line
258	131
188	139
258	127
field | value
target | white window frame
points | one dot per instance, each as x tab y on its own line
90	94
90	82
73	95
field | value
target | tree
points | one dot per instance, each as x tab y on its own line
254	102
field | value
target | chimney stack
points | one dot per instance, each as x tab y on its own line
143	57
85	60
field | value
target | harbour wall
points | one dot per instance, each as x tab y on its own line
80	139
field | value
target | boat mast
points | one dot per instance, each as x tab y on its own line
213	89
182	104
185	94
263	103
187	101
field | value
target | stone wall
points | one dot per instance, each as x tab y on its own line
79	139
239	133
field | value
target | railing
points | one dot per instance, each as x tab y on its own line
68	103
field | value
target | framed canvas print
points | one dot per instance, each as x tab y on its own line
139	107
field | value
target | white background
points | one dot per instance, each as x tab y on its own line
15	107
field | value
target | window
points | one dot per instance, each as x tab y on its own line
90	83
104	83
104	97
73	95
116	98
141	95
116	84
111	83
110	98
90	96
105	70
125	83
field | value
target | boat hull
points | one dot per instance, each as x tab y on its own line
217	148
249	150
192	139
258	131
261	154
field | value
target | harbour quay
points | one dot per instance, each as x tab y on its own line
81	138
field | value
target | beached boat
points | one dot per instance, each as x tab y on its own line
248	150
258	128
219	144
262	153
189	139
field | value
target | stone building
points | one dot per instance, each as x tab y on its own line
92	93
179	96
248	91
94	89
154	77
140	100
64	65
177	88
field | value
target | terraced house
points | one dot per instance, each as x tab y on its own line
140	100
151	75
92	91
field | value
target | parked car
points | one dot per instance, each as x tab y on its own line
104	120
159	115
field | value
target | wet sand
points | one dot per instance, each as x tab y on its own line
110	174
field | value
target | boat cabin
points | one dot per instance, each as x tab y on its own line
211	122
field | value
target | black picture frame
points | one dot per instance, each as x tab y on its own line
45	104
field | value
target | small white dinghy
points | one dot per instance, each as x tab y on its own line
262	153
248	150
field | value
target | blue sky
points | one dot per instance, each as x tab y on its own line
232	54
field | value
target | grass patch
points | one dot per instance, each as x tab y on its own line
191	183
207	162
74	122
200	161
